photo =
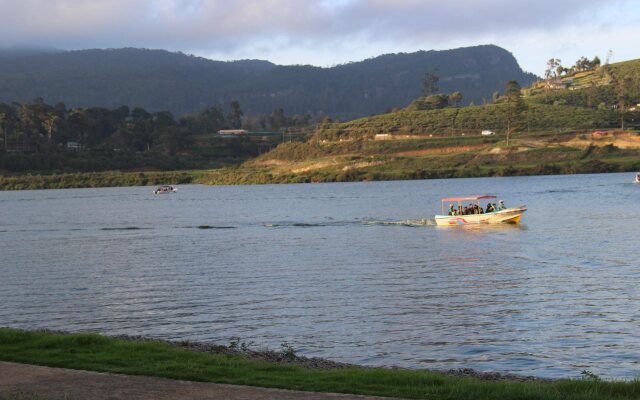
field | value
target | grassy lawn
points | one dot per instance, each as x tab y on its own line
99	353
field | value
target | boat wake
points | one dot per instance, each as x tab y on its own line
124	228
300	224
214	227
275	225
406	222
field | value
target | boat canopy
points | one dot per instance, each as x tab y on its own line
484	196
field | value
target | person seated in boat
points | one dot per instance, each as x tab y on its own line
501	205
451	210
490	208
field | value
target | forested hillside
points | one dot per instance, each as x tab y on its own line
158	80
40	137
586	119
583	121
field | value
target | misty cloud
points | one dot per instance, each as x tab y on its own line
207	24
270	26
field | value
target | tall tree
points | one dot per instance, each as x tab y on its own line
142	128
514	106
277	119
552	68
609	57
234	118
51	125
3	128
8	122
210	120
29	124
622	86
430	84
455	98
78	125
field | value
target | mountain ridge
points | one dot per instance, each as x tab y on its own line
159	80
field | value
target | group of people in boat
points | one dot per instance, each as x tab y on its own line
476	209
164	189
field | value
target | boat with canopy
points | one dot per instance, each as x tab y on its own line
475	214
165	189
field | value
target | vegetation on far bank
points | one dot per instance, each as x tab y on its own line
591	126
154	358
430	158
582	121
38	137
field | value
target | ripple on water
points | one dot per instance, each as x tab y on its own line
339	271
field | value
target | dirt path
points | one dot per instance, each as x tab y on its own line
57	383
442	150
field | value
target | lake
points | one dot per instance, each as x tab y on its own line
353	272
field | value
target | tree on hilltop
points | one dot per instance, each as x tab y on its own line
622	87
514	106
430	84
552	68
584	64
455	98
433	102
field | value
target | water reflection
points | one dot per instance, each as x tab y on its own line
352	272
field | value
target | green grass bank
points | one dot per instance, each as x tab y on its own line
357	166
154	358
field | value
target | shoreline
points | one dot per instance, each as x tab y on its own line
288	356
237	364
239	176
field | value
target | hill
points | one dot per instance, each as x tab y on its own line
158	80
572	127
590	88
560	136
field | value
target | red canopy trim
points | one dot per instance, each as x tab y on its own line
484	196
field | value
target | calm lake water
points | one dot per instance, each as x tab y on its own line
346	271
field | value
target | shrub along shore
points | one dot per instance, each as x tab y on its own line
236	364
397	170
371	160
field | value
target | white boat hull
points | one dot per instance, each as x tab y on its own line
507	216
172	190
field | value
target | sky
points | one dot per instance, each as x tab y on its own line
330	32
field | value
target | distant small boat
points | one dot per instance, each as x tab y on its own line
165	189
476	214
637	178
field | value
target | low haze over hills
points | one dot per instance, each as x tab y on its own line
159	80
